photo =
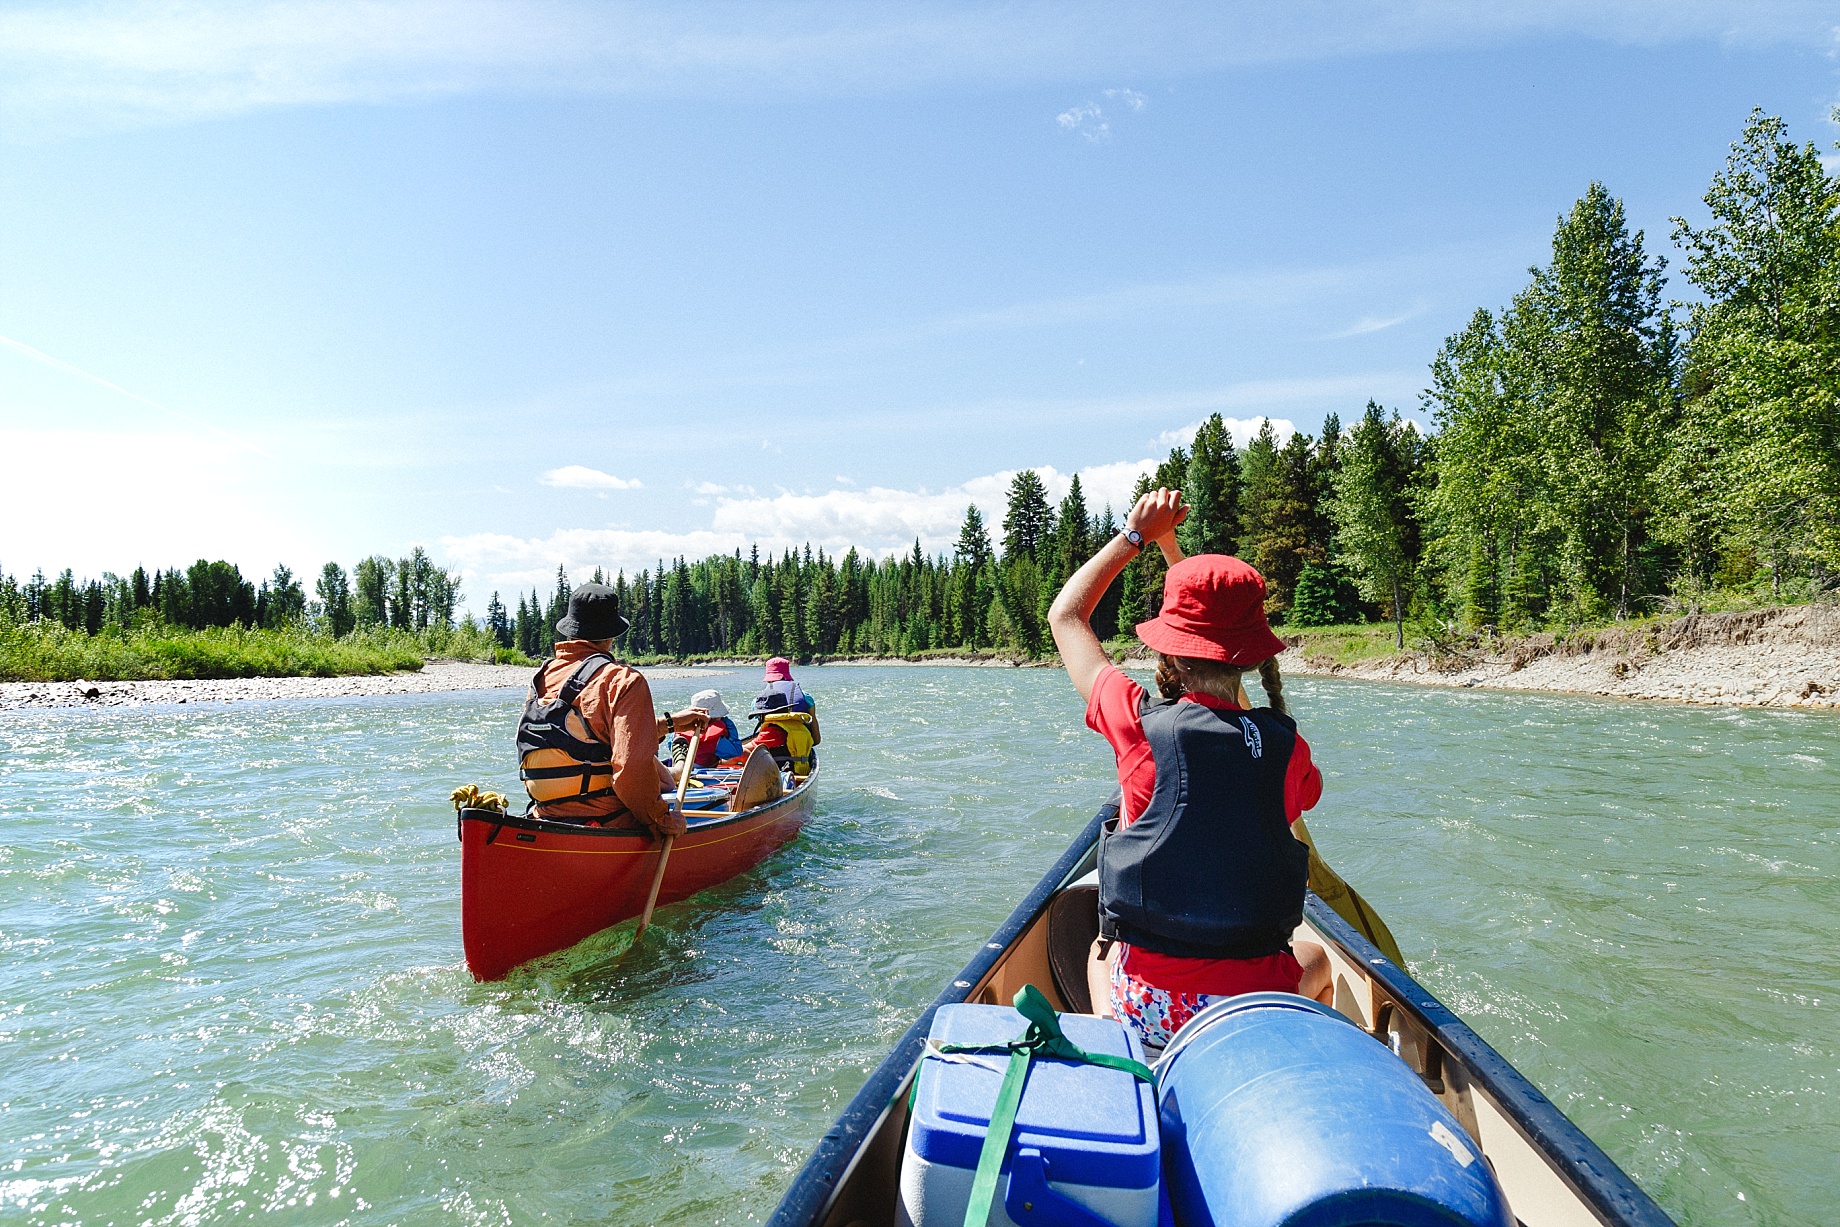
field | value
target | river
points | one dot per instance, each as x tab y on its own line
230	977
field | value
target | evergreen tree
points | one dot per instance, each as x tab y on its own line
63	601
1020	596
654	608
1322	598
791	611
498	623
1371	507
1105	614
1072	533
1279	517
1259	486
973	547
1210	487
558	609
1133	603
524	635
678	633
1030	522
174	603
824	607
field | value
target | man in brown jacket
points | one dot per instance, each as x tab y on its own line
589	735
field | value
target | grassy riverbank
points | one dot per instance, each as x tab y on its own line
47	652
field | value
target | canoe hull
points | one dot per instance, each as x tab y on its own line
530	887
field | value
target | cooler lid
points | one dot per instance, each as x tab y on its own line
1095	1126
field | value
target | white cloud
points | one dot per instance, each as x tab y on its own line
1086	119
502	563
1128	97
1242	430
1374	323
132	61
581	477
879	520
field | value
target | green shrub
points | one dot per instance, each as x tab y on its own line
47	652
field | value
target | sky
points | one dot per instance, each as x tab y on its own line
534	284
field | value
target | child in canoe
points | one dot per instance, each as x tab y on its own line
788	717
1201	883
719	741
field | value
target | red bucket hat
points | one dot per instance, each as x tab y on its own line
1213	609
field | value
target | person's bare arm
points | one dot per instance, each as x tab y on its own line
1070	617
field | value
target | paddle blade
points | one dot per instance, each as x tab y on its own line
760	782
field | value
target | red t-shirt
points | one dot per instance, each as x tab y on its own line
1114	712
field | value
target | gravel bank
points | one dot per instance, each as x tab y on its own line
1784	657
436	675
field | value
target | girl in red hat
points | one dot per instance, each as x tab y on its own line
1201	883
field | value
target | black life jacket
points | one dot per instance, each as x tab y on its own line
1210	868
556	763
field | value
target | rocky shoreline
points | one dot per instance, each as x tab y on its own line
436	675
1782	657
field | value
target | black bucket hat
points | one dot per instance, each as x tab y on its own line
594	613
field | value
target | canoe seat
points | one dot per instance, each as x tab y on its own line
1073	925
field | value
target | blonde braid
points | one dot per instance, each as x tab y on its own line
1273	683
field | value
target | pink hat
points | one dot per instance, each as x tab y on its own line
1213	609
779	669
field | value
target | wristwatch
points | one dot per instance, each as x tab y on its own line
1135	538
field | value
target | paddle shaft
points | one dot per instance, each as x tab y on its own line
664	853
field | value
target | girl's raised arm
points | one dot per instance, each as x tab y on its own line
1070	617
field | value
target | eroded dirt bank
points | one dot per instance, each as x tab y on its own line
1782	657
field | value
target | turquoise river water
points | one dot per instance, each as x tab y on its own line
231	985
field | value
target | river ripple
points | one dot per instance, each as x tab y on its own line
231	978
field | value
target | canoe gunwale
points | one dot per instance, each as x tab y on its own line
808	1199
530	822
1590	1173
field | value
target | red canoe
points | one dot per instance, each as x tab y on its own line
530	887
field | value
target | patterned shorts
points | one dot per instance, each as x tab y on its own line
1156	1014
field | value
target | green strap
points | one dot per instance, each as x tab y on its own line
996	1142
1043	1038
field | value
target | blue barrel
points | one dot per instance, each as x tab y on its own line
1278	1112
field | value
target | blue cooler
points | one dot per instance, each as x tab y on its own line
1084	1134
1278	1112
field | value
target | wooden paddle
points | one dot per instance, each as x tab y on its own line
664	853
